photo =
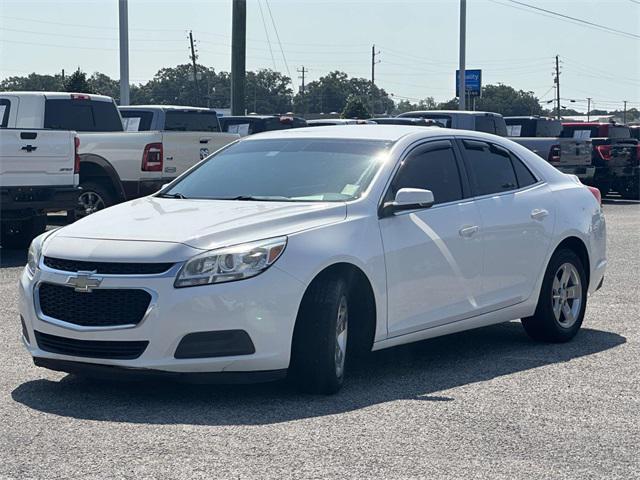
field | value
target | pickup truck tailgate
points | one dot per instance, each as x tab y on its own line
574	152
182	150
37	157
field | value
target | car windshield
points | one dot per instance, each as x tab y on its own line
285	170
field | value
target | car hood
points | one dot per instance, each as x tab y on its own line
202	224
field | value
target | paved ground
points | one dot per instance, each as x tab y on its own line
484	404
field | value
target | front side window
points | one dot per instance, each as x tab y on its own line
490	167
286	170
434	168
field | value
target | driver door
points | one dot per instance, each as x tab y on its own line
433	256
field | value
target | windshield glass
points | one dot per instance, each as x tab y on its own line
286	170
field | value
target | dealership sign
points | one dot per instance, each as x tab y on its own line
473	82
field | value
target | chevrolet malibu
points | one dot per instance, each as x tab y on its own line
294	252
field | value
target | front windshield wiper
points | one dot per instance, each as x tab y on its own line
171	195
258	198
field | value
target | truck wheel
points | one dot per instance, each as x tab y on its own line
319	348
94	196
19	234
630	190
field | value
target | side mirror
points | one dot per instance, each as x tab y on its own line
408	199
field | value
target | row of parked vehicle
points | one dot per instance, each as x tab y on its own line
81	153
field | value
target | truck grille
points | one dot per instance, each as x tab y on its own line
99	308
106	268
90	348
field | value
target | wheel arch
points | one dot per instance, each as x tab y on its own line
95	166
579	247
362	311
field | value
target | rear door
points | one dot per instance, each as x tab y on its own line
36	157
517	218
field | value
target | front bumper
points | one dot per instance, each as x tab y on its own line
265	307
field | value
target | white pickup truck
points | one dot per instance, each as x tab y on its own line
38	174
115	165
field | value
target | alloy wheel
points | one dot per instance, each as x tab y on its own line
566	296
342	321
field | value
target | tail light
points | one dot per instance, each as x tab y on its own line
76	163
604	151
596	193
152	158
286	119
554	154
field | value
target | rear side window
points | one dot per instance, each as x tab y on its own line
523	174
191	121
136	121
5	106
490	168
434	168
82	115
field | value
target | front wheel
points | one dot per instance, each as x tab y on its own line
319	350
562	302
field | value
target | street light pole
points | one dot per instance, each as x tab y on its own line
462	93
238	56
124	52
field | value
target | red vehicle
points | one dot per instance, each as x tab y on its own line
615	154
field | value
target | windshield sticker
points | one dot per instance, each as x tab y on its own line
514	130
349	189
131	124
581	134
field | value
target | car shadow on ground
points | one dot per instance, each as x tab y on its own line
416	372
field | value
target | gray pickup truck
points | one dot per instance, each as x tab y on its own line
542	135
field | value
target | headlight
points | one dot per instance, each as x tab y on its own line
230	263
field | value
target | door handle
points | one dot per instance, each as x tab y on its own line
204	140
29	148
539	213
467	232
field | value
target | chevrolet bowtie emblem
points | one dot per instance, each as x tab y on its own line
84	282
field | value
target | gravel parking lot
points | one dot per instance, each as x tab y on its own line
483	404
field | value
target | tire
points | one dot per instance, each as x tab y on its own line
19	234
319	347
630	190
562	302
94	196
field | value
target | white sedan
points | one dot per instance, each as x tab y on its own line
293	252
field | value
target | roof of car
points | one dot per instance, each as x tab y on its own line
165	107
356	132
59	95
448	112
259	117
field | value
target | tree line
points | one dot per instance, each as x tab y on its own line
268	91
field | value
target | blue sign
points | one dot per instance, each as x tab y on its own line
472	80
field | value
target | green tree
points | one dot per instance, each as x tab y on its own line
502	99
33	82
406	106
77	82
267	91
355	108
104	85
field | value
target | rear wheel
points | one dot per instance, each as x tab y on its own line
562	301
319	350
93	197
19	233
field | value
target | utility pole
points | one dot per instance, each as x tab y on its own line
193	59
124	52
238	56
588	109
557	87
302	91
624	114
462	93
373	77
63	78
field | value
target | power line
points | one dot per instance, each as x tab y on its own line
266	34
275	29
576	20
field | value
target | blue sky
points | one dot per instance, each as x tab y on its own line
417	40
